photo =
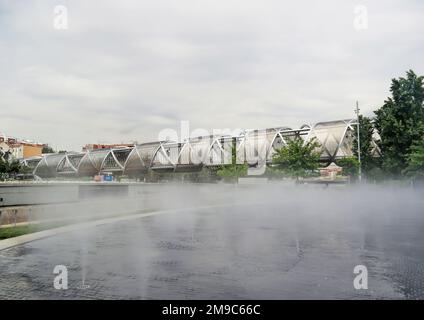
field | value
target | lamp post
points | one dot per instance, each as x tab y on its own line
359	143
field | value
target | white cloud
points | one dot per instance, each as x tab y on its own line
126	70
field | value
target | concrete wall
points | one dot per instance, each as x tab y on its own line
25	194
14	194
30	193
22	202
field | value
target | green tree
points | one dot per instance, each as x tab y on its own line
231	172
399	121
14	167
350	166
204	175
415	166
297	158
47	149
25	169
366	130
8	168
3	166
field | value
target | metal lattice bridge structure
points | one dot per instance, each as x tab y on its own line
254	147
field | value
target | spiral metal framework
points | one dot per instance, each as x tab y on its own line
252	147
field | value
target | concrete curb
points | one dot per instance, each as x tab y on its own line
16	241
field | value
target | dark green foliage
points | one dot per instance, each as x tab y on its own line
25	169
14	167
350	166
399	121
8	168
366	130
233	171
47	149
415	166
3	165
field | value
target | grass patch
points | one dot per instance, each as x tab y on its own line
11	232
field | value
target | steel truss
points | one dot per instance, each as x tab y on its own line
251	146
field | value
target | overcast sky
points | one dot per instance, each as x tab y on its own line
125	70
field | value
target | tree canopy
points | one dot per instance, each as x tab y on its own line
8	168
297	158
399	122
350	166
233	171
415	166
366	131
47	149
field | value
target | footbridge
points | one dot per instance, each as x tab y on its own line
251	146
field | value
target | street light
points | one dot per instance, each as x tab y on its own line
359	143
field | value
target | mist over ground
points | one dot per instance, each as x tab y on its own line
233	242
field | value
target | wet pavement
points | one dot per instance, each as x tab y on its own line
267	251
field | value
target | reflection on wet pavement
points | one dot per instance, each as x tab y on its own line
269	251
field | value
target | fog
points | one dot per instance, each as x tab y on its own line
221	241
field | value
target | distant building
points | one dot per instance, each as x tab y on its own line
7	140
26	149
18	149
89	147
